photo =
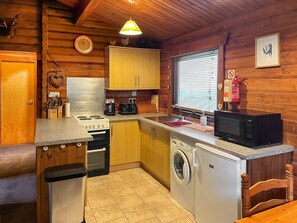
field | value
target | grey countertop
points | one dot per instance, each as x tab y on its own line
208	138
59	131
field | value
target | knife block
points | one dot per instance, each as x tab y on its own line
52	113
60	111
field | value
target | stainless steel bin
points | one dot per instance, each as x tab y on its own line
66	188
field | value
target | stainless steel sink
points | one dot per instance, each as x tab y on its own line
169	120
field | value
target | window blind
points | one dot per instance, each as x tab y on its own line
196	78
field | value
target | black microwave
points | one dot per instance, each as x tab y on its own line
249	128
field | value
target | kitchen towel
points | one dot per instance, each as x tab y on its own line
67	109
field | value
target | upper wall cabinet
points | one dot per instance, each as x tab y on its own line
18	97
132	68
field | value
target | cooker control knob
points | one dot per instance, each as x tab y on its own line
103	125
98	126
86	127
90	127
94	126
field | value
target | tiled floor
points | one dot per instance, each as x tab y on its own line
131	196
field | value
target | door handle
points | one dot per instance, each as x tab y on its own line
30	102
97	150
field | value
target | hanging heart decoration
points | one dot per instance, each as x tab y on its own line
56	79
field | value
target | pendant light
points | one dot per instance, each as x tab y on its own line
130	28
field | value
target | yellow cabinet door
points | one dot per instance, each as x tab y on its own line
155	152
124	143
117	143
132	68
146	145
161	154
122	68
18	97
132	141
149	74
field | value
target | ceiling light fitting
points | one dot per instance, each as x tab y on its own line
130	28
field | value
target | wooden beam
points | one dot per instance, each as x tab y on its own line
83	9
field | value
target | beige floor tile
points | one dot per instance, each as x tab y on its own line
156	200
134	179
183	220
118	220
91	220
169	213
109	176
113	184
129	200
151	220
91	181
107	213
121	191
145	190
175	203
138	213
101	199
93	190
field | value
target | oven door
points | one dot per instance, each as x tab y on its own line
100	138
98	161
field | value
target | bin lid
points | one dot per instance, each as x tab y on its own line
65	172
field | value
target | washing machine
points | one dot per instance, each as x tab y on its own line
182	173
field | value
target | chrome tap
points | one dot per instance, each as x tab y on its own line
180	117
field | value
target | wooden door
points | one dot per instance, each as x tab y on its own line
18	100
122	68
150	69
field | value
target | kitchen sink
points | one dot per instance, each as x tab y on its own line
169	120
176	123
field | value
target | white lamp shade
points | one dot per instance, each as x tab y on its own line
130	28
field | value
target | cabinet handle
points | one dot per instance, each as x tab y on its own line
62	146
30	102
135	81
111	131
78	144
138	81
45	148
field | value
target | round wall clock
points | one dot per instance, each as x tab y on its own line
83	44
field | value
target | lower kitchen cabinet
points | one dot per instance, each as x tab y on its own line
155	152
49	156
124	142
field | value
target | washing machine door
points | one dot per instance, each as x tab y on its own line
181	167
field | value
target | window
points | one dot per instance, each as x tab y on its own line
195	81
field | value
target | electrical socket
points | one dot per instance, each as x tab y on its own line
134	93
109	100
53	94
132	100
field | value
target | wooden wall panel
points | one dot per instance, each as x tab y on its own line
267	89
61	35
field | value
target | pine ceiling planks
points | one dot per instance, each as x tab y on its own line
164	19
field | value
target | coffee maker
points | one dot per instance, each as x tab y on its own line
109	108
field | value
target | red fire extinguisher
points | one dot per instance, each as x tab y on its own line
235	89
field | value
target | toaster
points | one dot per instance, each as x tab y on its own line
128	108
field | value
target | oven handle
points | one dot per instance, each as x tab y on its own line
97	150
98	133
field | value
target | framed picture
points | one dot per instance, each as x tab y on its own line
267	51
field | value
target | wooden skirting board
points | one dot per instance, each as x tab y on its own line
125	166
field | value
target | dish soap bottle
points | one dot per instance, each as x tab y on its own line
203	119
